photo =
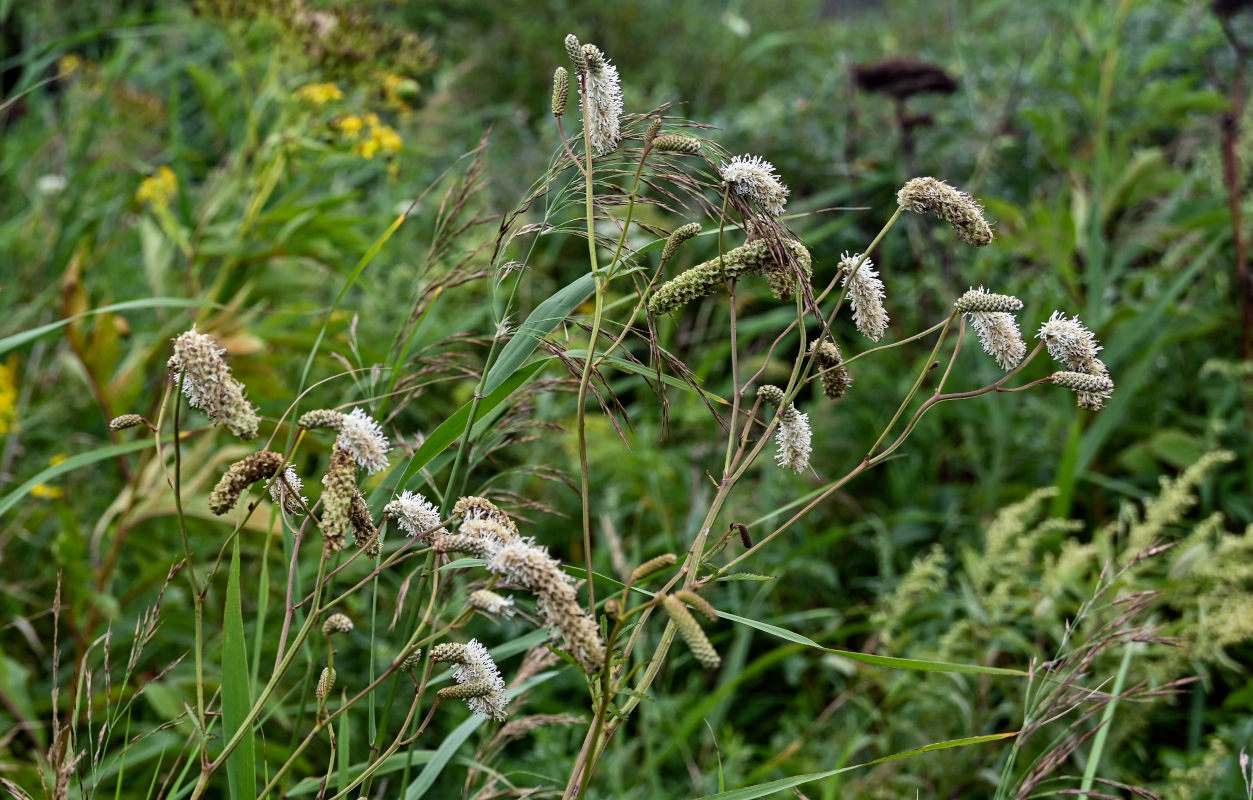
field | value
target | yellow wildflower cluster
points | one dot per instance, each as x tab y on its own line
43	490
8	396
68	64
158	190
398	90
377	138
318	94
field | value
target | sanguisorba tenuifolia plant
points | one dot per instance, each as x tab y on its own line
742	200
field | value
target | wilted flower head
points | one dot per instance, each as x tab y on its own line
207	382
285	491
755	178
339	489
928	195
865	294
835	377
603	96
415	515
522	562
1073	345
489	602
363	438
473	508
242	474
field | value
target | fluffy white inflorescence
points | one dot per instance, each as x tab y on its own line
286	492
793	440
865	294
363	438
1072	344
415	515
755	178
478	667
999	336
604	99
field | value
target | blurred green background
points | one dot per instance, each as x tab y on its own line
176	151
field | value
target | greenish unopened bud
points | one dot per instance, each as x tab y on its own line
835	377
691	632
699	603
673	143
680	235
466	691
126	421
449	652
575	51
336	623
561	90
653	565
979	301
654	128
771	395
1079	382
326	682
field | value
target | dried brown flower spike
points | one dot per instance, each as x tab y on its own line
198	364
240	476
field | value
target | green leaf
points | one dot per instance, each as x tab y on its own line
918	664
747	576
236	693
450	430
69	464
546	316
19	339
764	789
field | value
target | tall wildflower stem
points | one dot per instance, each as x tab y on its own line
922	374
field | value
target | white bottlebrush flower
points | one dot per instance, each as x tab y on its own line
865	294
415	515
755	178
793	440
476	668
489	602
286	492
363	438
999	336
1070	343
603	96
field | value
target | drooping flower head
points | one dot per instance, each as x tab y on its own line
603	96
1070	343
754	177
363	438
474	668
990	316
932	196
865	294
793	436
285	491
197	362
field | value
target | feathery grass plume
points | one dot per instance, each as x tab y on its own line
653	565
928	195
339	487
1081	382
681	234
364	534
489	602
361	436
415	515
754	177
793	436
126	421
1071	344
326	682
561	90
207	382
981	301
674	143
412	661
285	491
865	294
321	418
240	476
753	258
835	377
472	507
654	128
475	668
522	562
699	603
604	97
575	51
336	623
999	336
691	632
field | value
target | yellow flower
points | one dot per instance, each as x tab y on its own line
350	126
399	90
383	138
158	190
318	94
68	64
367	149
8	395
46	492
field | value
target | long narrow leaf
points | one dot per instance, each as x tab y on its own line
546	316
236	693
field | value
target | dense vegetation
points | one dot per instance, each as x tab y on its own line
371	206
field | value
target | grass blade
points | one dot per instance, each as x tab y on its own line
236	692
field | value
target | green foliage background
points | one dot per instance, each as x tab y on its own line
1090	131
